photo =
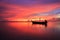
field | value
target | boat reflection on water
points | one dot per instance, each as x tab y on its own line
45	25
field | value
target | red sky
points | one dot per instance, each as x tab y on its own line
24	11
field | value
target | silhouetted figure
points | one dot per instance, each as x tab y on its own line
45	23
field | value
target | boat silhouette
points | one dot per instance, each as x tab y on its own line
40	22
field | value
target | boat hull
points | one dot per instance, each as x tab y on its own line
34	22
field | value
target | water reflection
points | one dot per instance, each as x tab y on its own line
29	28
40	25
25	29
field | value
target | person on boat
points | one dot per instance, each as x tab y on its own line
45	21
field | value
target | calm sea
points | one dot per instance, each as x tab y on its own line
29	31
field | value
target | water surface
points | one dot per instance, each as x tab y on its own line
29	31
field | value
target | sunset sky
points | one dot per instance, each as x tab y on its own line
20	9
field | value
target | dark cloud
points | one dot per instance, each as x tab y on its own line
2	9
4	14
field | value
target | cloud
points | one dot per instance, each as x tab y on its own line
31	2
55	11
11	11
4	12
2	9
